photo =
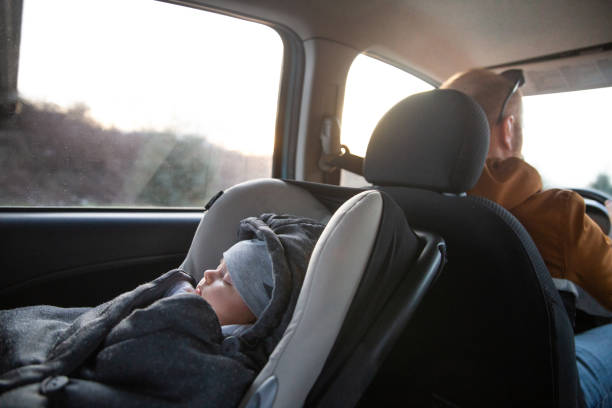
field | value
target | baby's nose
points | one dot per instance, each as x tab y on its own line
211	275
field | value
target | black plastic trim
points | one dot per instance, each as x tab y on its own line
44	243
86	269
425	272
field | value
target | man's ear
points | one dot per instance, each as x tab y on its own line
507	133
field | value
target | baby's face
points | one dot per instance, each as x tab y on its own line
217	289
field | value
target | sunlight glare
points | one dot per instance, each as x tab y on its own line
149	65
372	88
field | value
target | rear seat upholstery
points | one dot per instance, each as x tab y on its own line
493	330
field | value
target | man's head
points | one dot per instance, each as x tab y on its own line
491	90
239	288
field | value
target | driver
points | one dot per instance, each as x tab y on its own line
571	243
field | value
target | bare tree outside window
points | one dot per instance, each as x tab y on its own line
66	159
602	183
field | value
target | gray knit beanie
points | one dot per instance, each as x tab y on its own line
250	268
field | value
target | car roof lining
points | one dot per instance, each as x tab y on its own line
437	39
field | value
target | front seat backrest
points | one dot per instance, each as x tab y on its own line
493	330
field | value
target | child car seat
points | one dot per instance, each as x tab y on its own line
367	274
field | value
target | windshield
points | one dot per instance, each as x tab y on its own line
568	138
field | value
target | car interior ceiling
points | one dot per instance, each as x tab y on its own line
464	34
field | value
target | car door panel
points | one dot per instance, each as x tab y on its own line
82	258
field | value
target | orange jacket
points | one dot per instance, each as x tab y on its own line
571	243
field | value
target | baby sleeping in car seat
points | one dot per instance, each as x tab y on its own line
161	344
240	287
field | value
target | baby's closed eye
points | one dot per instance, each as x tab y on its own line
228	279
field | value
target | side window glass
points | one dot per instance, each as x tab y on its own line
372	88
137	103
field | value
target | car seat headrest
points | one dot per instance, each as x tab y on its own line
218	228
436	140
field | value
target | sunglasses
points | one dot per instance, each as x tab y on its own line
516	77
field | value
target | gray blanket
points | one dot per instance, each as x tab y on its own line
145	350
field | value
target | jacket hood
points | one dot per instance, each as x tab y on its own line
508	182
290	241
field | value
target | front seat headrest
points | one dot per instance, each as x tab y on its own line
436	140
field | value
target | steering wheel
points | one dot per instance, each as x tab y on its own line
595	201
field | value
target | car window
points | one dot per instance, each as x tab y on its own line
137	103
567	136
372	88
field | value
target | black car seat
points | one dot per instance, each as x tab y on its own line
366	255
492	331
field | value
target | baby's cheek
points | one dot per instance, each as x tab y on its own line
214	295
